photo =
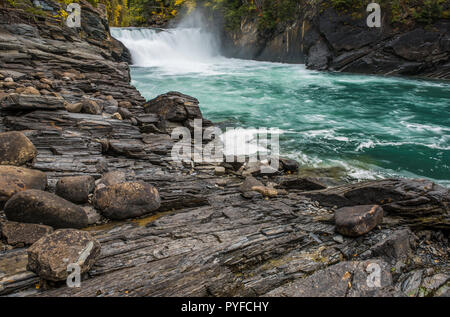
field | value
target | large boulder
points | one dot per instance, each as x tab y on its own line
50	256
16	149
75	188
357	220
174	106
14	179
36	206
127	200
21	234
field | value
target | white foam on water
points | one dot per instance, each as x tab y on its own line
423	127
371	144
248	141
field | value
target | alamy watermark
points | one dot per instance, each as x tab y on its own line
211	145
374	278
374	18
74	277
74	18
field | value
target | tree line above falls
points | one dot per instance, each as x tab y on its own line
269	13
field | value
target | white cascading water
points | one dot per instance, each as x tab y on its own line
180	50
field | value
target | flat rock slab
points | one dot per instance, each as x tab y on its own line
36	206
300	183
358	220
14	179
16	149
127	200
17	233
50	256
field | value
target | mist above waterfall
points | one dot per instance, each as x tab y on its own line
187	48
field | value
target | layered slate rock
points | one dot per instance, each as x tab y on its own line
16	149
17	234
14	179
396	247
335	40
345	279
31	102
357	220
36	206
75	188
326	36
127	200
300	183
50	256
416	202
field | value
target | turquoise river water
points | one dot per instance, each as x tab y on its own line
369	126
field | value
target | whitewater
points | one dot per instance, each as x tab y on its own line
366	127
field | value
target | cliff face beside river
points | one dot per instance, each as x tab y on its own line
81	148
326	38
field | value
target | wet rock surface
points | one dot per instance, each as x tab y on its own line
50	256
300	183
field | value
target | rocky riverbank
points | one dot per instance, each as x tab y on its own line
325	37
86	178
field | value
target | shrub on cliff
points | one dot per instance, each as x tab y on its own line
401	11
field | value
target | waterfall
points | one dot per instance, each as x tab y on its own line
180	50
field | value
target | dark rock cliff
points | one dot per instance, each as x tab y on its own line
325	38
